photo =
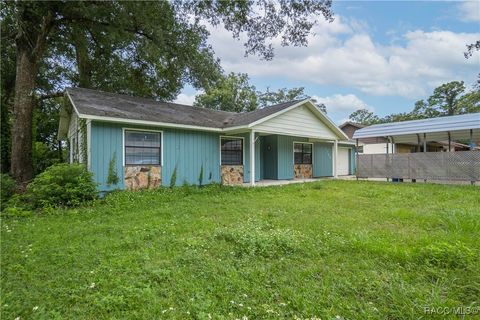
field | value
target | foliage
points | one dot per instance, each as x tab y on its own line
446	100
149	49
232	93
263	21
112	177
61	185
447	255
471	48
280	96
449	99
364	116
44	156
200	176
7	189
255	238
173	178
354	253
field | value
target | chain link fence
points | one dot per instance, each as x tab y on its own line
449	166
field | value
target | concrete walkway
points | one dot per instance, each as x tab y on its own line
267	182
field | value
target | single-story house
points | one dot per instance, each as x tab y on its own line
131	143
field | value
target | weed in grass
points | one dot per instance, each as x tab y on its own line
446	255
257	238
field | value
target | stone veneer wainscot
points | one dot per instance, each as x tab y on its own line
142	177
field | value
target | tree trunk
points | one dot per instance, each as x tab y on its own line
81	53
21	163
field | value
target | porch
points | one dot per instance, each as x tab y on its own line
282	159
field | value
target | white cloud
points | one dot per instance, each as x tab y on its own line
185	99
470	11
342	103
344	54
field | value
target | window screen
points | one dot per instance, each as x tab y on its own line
302	153
232	151
142	147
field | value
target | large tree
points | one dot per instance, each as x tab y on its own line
143	48
448	99
232	93
364	116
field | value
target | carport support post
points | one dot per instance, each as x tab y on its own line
449	142
252	158
424	148
335	157
356	159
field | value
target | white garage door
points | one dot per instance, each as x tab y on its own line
342	162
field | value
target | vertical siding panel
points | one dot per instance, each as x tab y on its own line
323	160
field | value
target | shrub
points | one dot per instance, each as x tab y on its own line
61	185
447	255
7	189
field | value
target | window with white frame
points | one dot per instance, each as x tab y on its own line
231	151
302	153
142	147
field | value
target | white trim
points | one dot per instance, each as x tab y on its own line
73	104
89	144
142	130
314	109
273	115
335	158
295	135
252	158
220	150
293	154
149	123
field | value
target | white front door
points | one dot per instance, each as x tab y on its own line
343	162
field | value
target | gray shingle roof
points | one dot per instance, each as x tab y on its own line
104	104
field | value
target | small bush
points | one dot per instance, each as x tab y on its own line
447	255
7	189
61	185
255	238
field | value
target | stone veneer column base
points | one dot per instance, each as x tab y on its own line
232	175
142	177
303	171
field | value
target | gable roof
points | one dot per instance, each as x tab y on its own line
353	124
99	105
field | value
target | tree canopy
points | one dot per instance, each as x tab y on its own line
447	99
149	49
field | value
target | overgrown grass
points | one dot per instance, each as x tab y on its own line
354	250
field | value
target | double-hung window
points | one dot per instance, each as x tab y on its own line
142	147
302	153
231	151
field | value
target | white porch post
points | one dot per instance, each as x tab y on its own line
252	158
335	157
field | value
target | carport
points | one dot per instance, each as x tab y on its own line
422	164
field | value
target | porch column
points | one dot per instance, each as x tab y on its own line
335	157
252	158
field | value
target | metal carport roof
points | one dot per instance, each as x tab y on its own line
460	127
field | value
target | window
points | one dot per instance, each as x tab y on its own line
302	153
142	147
232	151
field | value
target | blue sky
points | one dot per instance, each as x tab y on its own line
381	55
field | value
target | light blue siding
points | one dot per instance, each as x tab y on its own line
269	151
285	155
246	164
106	143
187	150
322	160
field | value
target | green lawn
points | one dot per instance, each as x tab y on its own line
345	249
